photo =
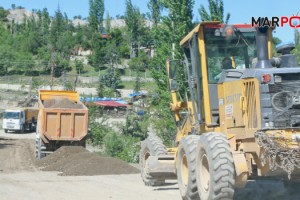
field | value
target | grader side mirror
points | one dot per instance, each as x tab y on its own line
172	69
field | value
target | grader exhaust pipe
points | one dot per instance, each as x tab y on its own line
262	48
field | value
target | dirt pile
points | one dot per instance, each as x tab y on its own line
61	103
77	161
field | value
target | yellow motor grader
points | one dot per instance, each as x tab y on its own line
238	119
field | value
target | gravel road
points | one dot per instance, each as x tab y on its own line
20	178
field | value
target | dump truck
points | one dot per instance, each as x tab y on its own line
62	121
20	119
238	118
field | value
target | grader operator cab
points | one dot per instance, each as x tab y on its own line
238	119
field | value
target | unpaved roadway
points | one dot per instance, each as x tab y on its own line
21	179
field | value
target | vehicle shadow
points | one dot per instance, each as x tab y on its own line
267	189
166	186
5	142
23	133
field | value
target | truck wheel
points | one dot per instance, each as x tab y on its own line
22	129
5	131
186	167
215	168
152	146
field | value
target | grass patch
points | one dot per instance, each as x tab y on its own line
149	86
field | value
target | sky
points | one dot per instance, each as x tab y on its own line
241	10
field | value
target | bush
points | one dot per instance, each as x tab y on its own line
123	147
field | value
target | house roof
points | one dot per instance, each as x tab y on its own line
109	104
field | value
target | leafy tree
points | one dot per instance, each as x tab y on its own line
57	27
79	66
3	14
173	28
7	58
136	126
111	79
98	128
138	64
155	8
107	27
96	15
136	27
215	13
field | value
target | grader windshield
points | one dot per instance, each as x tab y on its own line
228	47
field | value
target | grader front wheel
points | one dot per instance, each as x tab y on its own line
186	167
151	146
215	168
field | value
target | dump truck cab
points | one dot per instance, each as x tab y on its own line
19	119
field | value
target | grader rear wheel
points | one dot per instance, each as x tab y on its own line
151	146
215	167
186	167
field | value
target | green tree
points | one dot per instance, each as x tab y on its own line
57	27
138	64
136	27
107	22
155	8
79	66
173	28
96	15
215	13
3	14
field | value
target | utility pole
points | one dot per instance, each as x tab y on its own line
52	67
173	43
30	87
65	80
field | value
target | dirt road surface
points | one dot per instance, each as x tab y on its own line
20	178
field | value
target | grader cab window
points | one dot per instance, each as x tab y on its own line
228	47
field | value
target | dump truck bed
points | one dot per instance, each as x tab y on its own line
62	117
31	114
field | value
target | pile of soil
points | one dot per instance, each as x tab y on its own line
77	161
61	103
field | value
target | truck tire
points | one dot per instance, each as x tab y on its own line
22	129
5	131
30	127
151	146
215	168
186	167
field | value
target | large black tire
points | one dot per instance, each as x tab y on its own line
186	167
151	146
5	131
215	168
22	129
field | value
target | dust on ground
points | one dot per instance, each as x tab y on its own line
16	155
77	161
